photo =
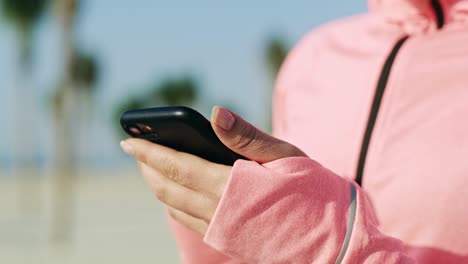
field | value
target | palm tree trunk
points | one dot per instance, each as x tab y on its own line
65	175
25	169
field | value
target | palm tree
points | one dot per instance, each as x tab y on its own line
181	90
85	75
24	16
64	109
71	109
275	53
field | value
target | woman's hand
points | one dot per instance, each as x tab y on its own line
192	187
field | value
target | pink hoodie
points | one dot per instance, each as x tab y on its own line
369	105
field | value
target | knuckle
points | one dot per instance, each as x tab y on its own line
246	137
173	214
173	172
145	157
290	150
285	150
161	192
152	160
295	151
141	157
177	173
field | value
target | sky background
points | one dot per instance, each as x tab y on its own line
221	43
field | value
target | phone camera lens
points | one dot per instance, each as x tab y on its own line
134	130
145	128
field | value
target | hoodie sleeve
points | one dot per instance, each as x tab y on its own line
297	211
192	249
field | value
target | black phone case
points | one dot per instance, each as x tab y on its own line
180	128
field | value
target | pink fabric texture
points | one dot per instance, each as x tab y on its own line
412	204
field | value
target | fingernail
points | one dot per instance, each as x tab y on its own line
223	118
127	148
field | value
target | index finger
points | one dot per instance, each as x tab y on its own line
186	169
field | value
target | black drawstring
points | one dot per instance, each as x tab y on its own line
439	12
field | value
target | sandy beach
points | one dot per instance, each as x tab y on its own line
115	219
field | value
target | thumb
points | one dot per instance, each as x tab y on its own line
248	141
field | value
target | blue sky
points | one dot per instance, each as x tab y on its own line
138	42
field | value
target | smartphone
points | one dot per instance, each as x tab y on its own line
180	128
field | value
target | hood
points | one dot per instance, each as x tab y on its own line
420	16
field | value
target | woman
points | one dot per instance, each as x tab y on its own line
379	103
